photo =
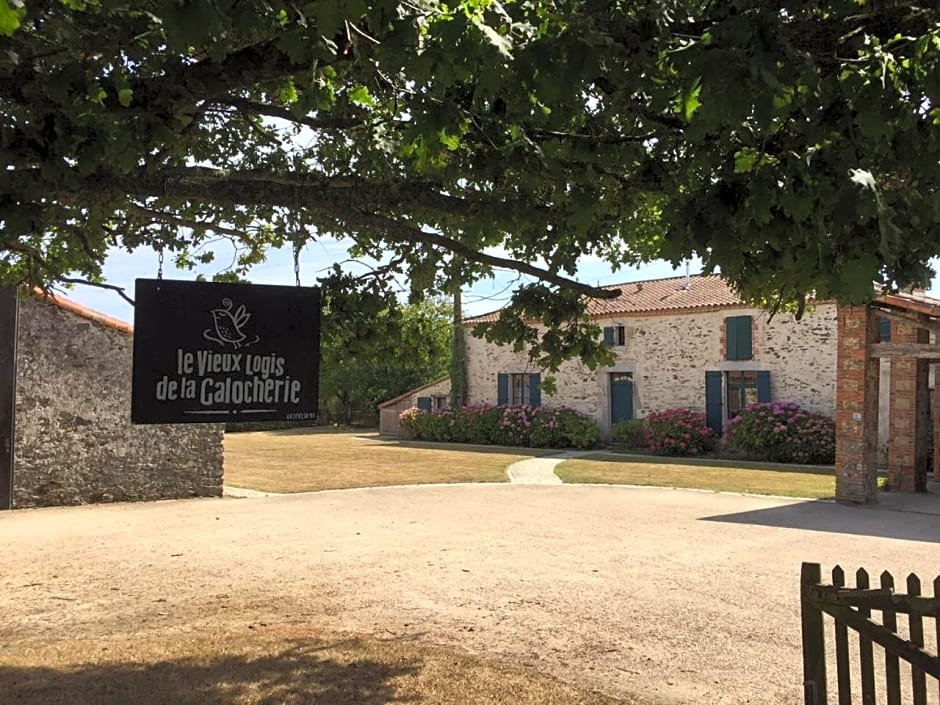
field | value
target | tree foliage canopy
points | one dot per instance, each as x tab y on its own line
792	144
369	355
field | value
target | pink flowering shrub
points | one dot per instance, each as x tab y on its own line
408	420
783	432
524	425
678	432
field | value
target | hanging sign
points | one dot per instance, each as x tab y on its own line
217	352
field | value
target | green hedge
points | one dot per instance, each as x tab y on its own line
526	426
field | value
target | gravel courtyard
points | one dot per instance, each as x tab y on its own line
654	596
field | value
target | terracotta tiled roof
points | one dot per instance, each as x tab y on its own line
402	397
656	296
79	310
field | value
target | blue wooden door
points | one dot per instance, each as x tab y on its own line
621	396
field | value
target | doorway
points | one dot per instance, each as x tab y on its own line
621	396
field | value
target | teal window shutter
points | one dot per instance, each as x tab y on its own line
714	417
763	387
731	339
609	336
884	330
744	338
502	389
738	338
535	391
424	403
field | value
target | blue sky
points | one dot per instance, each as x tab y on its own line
122	268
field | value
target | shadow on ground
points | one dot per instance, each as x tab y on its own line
300	673
910	518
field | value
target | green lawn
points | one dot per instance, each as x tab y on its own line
787	481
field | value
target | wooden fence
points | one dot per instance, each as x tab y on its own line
851	608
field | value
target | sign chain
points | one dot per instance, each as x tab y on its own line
297	261
160	263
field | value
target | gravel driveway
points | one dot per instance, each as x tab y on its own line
652	595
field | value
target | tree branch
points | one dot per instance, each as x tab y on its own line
407	233
101	285
198	225
275	111
353	204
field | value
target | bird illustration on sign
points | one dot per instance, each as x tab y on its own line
229	326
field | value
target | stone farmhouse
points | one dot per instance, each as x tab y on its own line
682	342
74	441
678	342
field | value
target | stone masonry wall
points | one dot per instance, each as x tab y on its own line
668	355
438	389
74	440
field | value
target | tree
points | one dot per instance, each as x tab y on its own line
792	144
372	353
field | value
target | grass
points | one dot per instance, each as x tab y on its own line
786	481
267	664
305	460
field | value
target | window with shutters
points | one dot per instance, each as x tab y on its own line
742	390
746	387
519	388
738	338
615	336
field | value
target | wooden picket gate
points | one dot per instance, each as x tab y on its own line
851	609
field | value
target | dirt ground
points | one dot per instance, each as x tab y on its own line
654	596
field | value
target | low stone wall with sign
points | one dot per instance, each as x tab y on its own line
75	443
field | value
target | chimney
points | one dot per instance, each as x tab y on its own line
688	281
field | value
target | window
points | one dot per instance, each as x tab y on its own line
884	330
615	336
518	388
742	390
441	402
738	338
733	391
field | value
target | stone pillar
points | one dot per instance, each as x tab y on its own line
936	422
857	382
922	429
907	448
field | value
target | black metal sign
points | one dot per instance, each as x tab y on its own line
213	352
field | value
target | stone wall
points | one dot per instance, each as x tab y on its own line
74	440
439	392
668	354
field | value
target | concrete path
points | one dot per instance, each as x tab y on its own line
539	471
242	492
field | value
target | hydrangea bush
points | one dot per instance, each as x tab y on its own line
678	432
630	434
518	425
783	432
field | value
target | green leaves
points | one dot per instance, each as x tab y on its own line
11	14
540	131
689	101
502	45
